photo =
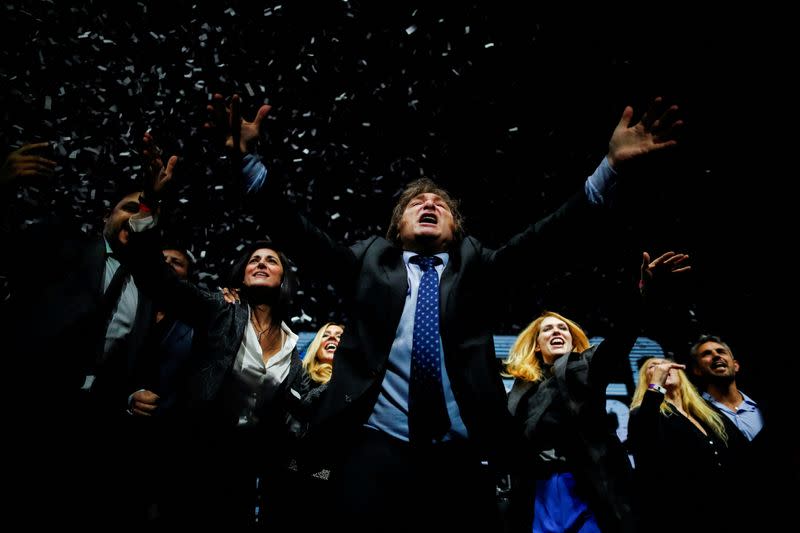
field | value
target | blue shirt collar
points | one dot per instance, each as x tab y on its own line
746	399
444	256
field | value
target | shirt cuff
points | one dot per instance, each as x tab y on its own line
602	184
255	173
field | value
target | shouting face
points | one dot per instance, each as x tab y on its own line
715	360
330	341
427	224
554	339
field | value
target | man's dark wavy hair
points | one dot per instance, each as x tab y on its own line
414	189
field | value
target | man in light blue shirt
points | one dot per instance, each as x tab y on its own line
421	303
713	363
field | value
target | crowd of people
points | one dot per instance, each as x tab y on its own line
174	405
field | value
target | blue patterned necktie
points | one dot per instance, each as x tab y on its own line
427	413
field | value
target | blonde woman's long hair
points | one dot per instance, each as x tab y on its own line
316	369
522	361
693	403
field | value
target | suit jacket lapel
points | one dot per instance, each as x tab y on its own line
541	398
241	317
145	317
446	290
394	288
518	390
96	266
396	285
212	373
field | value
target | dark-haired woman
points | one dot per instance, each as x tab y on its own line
243	394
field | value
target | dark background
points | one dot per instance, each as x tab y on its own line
508	108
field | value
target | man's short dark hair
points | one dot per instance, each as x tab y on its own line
167	245
694	351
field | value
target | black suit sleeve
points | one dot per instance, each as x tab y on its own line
157	280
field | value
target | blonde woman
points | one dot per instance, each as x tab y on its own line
680	450
578	477
318	361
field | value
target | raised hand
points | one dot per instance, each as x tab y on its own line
233	131
657	373
655	131
22	164
158	175
669	262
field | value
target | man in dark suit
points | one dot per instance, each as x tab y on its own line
76	326
419	409
169	348
164	367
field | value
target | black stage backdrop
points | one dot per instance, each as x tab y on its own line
508	107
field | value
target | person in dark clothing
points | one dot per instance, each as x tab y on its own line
169	350
415	403
243	395
76	326
577	475
755	455
167	356
680	449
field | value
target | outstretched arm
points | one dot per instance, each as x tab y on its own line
655	131
611	355
318	254
143	252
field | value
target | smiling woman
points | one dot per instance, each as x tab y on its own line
544	340
247	384
263	274
558	399
318	361
581	477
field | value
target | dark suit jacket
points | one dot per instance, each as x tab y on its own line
372	279
169	351
753	466
52	337
56	282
